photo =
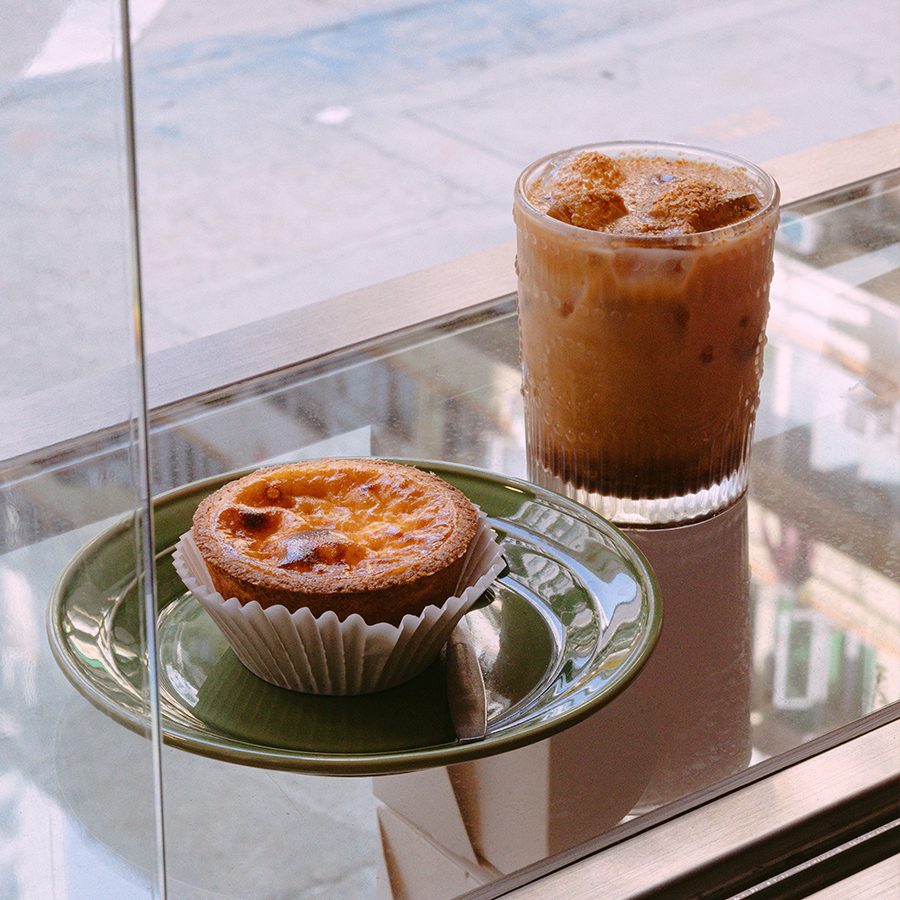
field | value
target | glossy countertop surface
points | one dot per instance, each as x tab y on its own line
781	615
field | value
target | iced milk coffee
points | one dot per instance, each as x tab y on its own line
644	274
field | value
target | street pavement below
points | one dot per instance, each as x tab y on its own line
291	152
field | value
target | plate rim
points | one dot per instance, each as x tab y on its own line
358	764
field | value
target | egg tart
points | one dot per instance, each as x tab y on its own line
360	536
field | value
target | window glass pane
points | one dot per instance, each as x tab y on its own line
78	799
292	152
289	152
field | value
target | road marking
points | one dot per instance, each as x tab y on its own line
87	34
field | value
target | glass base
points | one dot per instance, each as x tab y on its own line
646	512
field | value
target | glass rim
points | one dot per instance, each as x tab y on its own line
771	200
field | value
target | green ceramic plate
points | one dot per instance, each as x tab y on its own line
571	623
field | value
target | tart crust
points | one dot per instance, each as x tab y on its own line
360	536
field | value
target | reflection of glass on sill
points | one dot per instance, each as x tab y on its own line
682	725
698	682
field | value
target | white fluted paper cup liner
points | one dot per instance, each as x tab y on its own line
324	655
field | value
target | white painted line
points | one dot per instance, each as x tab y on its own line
87	34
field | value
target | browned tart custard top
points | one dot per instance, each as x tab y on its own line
334	526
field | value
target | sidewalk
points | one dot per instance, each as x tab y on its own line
294	152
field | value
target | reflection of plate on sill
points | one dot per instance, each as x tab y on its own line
572	623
